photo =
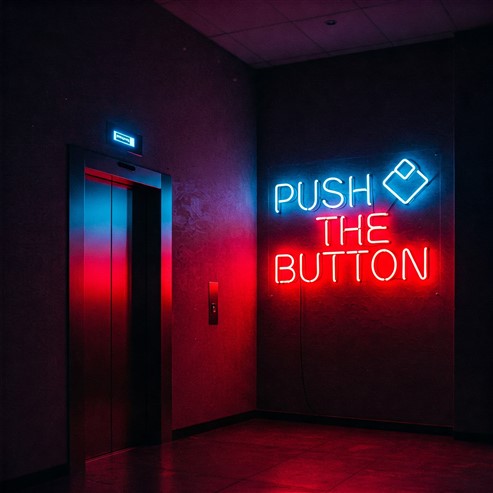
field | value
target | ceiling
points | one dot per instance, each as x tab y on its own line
264	33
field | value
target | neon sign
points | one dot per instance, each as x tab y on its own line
405	181
124	139
285	193
358	247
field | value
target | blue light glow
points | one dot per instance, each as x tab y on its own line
405	181
124	139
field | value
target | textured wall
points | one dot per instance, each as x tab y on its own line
69	67
370	349
474	337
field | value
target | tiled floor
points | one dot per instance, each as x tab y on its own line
274	456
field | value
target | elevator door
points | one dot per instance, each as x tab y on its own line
114	408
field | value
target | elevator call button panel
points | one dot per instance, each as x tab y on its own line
213	303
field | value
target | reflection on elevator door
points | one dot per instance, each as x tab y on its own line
113	406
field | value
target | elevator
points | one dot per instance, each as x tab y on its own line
114	353
119	306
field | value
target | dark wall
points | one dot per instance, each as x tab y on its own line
368	350
68	66
474	243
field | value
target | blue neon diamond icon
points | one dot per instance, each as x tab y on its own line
405	181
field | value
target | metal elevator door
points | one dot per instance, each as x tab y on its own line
113	406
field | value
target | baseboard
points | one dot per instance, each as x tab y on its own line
307	418
356	423
473	437
211	425
34	479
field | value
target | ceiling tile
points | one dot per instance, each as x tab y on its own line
472	13
362	49
191	18
424	39
236	15
304	58
277	42
371	3
305	9
353	29
408	19
236	48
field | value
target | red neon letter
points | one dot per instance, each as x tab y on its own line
357	253
334	254
372	227
424	273
286	267
327	232
317	275
373	264
345	230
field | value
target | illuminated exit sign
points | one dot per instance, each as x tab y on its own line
117	136
121	138
361	229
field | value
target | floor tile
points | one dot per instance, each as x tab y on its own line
318	471
300	436
417	481
198	456
251	486
136	475
366	443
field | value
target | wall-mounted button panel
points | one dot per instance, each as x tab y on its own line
213	303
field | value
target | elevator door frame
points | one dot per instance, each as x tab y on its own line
80	161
